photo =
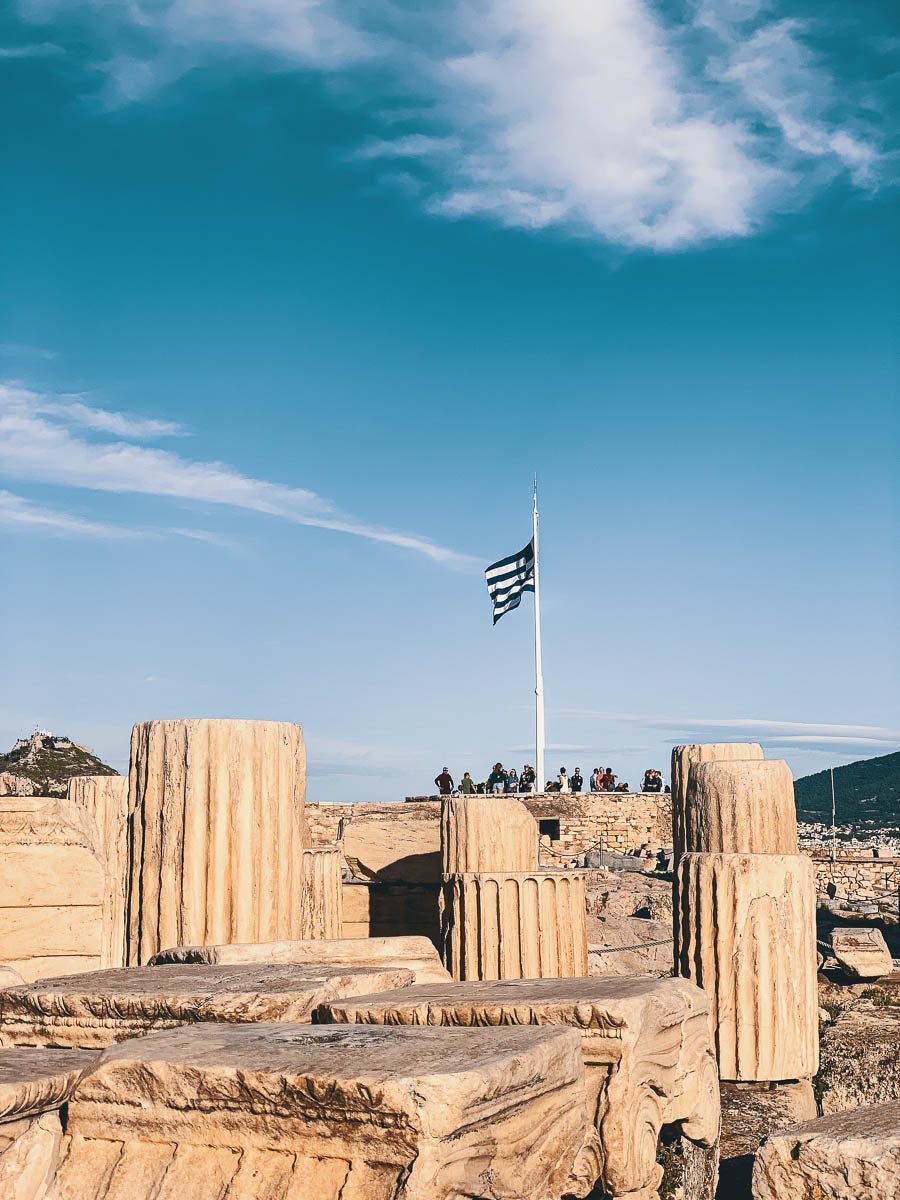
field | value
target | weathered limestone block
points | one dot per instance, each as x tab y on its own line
328	1113
51	888
682	758
33	1086
747	936
104	800
860	1063
646	1047
321	893
740	807
215	833
487	834
415	954
514	926
29	1151
861	953
96	1010
398	843
852	1156
35	1081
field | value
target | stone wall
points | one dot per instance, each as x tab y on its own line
856	878
624	820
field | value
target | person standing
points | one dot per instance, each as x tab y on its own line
497	779
526	779
512	780
563	780
576	783
596	777
444	782
467	785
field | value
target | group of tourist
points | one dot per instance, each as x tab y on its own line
503	781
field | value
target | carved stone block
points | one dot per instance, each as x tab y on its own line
98	1009
861	953
415	954
514	926
851	1156
215	837
646	1047
747	936
330	1113
487	834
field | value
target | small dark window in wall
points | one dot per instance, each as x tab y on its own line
551	828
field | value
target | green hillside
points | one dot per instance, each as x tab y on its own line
868	790
48	762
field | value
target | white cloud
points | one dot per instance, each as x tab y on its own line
37	448
32	50
103	421
782	735
632	121
20	514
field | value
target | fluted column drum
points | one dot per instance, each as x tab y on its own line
525	925
740	807
104	801
321	894
215	833
487	833
682	758
747	936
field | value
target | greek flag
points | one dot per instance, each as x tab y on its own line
508	579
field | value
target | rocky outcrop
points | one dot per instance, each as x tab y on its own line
215	839
487	834
329	1112
513	926
747	936
740	807
853	1156
859	1061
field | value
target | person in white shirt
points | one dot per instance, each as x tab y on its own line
563	780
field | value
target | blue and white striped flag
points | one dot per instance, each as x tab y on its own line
508	579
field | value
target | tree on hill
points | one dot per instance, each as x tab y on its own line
865	790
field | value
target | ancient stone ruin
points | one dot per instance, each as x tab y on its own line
220	1036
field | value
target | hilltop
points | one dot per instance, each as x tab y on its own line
43	764
867	790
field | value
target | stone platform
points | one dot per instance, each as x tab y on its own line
850	1156
416	954
100	1008
646	1046
328	1113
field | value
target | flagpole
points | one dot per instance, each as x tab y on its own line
538	665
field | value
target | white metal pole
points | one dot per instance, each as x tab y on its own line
538	665
833	832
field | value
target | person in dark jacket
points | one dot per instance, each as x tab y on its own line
444	782
512	780
576	782
497	779
526	779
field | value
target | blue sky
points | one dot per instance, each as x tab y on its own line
295	303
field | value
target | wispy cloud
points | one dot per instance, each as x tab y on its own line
102	421
17	513
643	124
31	50
775	734
38	445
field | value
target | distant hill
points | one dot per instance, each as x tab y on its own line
43	764
868	790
